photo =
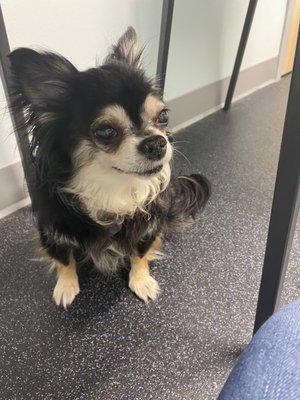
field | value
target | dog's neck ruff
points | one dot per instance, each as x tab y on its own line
109	196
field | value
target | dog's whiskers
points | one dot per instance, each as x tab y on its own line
183	155
180	141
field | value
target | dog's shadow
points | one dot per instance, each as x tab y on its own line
98	294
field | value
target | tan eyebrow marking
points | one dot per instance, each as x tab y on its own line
152	106
115	115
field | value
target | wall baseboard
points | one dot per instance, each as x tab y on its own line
15	207
198	117
195	105
13	186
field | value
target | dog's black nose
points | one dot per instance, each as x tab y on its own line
153	147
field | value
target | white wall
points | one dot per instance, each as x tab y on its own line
203	45
81	30
205	38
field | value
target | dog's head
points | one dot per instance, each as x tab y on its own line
103	131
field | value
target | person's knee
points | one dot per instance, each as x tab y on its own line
265	367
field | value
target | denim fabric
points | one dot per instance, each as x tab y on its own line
269	368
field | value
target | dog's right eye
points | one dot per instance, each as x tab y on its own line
105	133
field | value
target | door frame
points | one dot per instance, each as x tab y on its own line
285	36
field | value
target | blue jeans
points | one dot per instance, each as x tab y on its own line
269	368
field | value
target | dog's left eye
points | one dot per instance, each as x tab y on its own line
105	132
163	118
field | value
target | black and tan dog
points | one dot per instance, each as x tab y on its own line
101	152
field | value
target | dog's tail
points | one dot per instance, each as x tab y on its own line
189	195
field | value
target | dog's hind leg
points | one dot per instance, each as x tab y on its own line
140	280
67	286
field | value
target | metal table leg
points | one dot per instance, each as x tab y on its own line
240	53
164	40
17	118
285	205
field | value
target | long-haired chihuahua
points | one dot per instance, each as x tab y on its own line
101	152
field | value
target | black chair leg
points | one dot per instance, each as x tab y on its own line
285	205
164	40
17	118
240	53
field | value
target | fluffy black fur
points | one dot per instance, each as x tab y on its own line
60	104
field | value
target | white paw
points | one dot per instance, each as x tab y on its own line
144	286
65	291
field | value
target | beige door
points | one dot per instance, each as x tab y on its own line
288	60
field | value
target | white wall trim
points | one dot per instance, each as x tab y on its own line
290	7
15	207
193	106
12	184
198	117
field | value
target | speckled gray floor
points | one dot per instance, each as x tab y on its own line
111	346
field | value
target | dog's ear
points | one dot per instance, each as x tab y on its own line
126	50
42	79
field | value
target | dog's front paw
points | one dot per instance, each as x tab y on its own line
65	291
144	286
